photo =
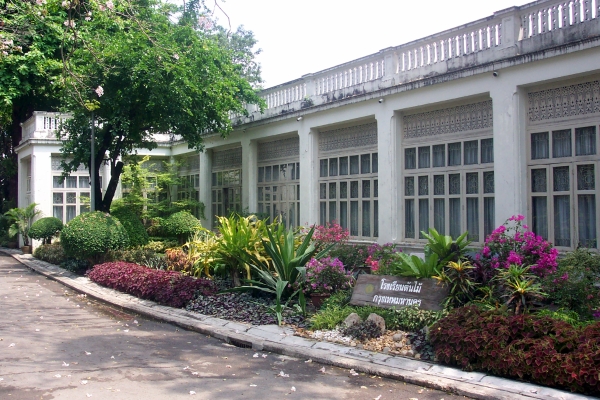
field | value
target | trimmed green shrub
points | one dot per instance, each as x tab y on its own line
76	266
181	225
45	229
52	253
91	235
133	225
412	319
160	245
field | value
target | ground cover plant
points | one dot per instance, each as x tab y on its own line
170	288
542	350
45	229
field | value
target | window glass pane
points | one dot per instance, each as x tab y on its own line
375	188
454	217
439	185
365	163
562	221
332	190
56	183
322	191
275	173
375	160
539	220
587	220
343	190
487	151
424	157
220	179
366	218
268	174
585	141
409	218
454	183
454	150
489	214
324	168
439	155
561	179
71	212
354	189
71	182
343	165
409	186
586	179
538	180
488	182
472	183
471	152
84	182
57	198
71	198
473	218
344	214
439	215
297	170
423	216
410	158
332	211
366	189
333	167
375	218
261	196
214	178
539	146
423	185
57	212
354	218
561	143
322	213
353	165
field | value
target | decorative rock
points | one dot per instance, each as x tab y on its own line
410	353
398	337
418	356
386	350
399	345
352	319
408	342
379	321
404	353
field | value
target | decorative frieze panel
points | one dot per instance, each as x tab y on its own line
566	101
56	160
285	148
190	163
347	138
230	158
463	118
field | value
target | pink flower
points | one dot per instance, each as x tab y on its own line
110	5
99	91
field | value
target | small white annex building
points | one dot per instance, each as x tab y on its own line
457	131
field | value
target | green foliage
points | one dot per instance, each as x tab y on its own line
91	235
160	245
462	286
52	253
445	247
21	220
139	255
335	310
352	255
573	285
519	287
181	224
157	75
201	250
45	229
570	317
132	224
363	330
414	266
413	319
75	265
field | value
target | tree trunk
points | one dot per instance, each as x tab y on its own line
115	174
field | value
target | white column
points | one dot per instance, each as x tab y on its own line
205	187
387	174
249	174
510	157
309	175
41	180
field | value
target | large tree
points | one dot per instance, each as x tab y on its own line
141	73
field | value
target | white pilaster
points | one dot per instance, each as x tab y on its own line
309	175
249	174
205	187
41	186
387	174
510	158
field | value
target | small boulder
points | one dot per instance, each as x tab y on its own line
379	321
398	337
351	320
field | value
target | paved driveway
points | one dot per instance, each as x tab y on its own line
57	344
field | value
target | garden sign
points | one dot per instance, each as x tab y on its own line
388	291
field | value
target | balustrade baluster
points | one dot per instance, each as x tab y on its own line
460	46
553	24
382	68
535	23
544	24
576	12
587	10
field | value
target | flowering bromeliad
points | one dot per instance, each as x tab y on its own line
514	244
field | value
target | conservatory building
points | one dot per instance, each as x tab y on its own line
458	131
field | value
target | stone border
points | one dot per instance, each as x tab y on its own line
281	340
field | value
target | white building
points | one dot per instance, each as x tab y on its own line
458	131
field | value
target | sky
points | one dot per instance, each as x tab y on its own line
301	37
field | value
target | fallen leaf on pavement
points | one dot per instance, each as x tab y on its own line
11	345
253	385
308	361
87	353
283	375
255	355
65	364
57	376
192	392
322	370
84	382
293	389
264	356
377	398
353	372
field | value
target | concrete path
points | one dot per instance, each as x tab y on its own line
132	345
